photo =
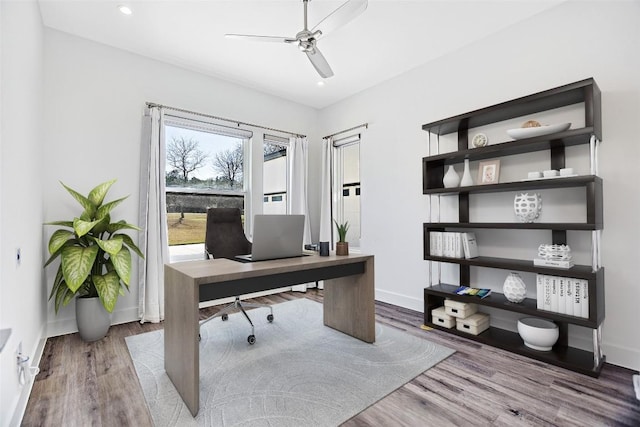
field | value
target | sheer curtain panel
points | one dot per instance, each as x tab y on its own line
298	186
153	241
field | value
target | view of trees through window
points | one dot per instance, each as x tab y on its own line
203	170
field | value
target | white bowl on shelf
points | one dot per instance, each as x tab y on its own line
538	334
520	133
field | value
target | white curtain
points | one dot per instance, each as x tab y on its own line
153	238
298	149
325	202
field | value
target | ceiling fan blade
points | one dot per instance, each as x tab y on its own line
320	63
270	39
345	13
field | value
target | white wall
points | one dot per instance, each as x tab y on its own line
94	98
571	42
22	296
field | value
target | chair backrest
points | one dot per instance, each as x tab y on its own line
225	236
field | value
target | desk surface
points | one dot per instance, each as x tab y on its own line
224	270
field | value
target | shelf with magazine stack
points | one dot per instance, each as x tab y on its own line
587	277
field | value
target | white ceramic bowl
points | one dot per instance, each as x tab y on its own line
538	334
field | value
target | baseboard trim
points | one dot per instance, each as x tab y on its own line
416	304
23	400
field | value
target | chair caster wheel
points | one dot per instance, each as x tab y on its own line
270	318
251	339
225	317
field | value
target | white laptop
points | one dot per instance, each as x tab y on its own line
276	236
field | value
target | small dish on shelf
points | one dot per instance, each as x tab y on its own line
521	133
548	177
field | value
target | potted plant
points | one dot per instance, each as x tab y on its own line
95	261
342	246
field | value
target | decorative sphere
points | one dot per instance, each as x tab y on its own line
527	206
514	289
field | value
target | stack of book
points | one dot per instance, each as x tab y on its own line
477	292
450	244
563	295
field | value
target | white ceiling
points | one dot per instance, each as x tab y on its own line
389	38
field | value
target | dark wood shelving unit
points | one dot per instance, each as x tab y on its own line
561	354
537	184
583	92
586	91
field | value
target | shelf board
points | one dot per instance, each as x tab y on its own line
569	94
576	272
519	146
498	300
580	226
566	357
539	184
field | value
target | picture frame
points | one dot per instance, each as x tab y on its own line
489	172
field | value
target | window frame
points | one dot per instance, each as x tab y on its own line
337	183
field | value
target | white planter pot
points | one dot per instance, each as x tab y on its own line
92	319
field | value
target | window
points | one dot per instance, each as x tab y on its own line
346	186
275	172
205	166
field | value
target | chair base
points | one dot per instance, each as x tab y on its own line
239	305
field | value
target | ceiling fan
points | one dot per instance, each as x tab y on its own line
306	39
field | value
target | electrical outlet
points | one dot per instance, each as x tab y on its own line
18	357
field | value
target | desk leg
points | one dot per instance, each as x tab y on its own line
349	304
181	327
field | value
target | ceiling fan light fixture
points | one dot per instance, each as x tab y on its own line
306	39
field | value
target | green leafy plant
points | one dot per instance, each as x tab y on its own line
94	254
342	230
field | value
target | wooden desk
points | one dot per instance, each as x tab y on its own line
348	302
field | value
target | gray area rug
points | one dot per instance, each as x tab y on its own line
298	373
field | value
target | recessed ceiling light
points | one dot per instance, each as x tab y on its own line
126	10
320	83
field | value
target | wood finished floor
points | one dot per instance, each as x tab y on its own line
94	384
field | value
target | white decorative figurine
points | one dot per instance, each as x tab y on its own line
514	289
554	252
527	206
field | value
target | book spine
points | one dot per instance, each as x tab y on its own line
577	298
438	243
547	292
584	306
568	307
562	295
432	243
540	291
472	244
445	244
554	294
465	245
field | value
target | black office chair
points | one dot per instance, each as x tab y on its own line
225	238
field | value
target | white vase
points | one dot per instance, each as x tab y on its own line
451	178
514	289
466	175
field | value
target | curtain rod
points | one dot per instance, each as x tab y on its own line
238	123
364	125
